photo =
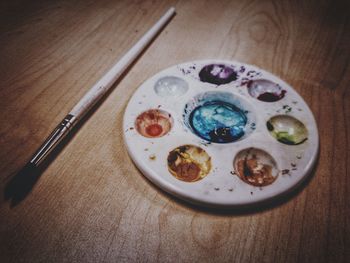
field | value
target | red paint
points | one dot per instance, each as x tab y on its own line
154	130
153	123
150	115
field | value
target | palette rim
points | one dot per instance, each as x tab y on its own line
219	180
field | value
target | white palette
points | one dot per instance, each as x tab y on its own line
222	186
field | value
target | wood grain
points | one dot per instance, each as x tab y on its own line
91	204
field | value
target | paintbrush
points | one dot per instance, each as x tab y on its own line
97	91
22	183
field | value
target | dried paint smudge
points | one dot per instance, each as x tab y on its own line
285	171
153	123
287	108
217	74
189	163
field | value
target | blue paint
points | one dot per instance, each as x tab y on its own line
218	121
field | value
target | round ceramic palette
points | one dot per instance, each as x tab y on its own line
220	133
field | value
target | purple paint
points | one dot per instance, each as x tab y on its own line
271	97
217	74
265	90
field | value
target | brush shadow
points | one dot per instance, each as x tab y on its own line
21	184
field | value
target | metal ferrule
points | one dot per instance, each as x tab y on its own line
55	137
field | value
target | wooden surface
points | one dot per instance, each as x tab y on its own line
91	204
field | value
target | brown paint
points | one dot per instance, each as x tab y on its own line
255	173
189	163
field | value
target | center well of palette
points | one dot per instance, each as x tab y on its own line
218	117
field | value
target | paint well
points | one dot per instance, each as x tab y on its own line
189	163
218	121
217	74
154	123
265	90
218	117
170	86
287	129
255	167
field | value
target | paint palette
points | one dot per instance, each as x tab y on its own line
220	133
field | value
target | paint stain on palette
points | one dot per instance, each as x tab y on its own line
220	133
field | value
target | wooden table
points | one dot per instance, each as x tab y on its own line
91	204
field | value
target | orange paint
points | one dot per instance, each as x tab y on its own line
154	130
